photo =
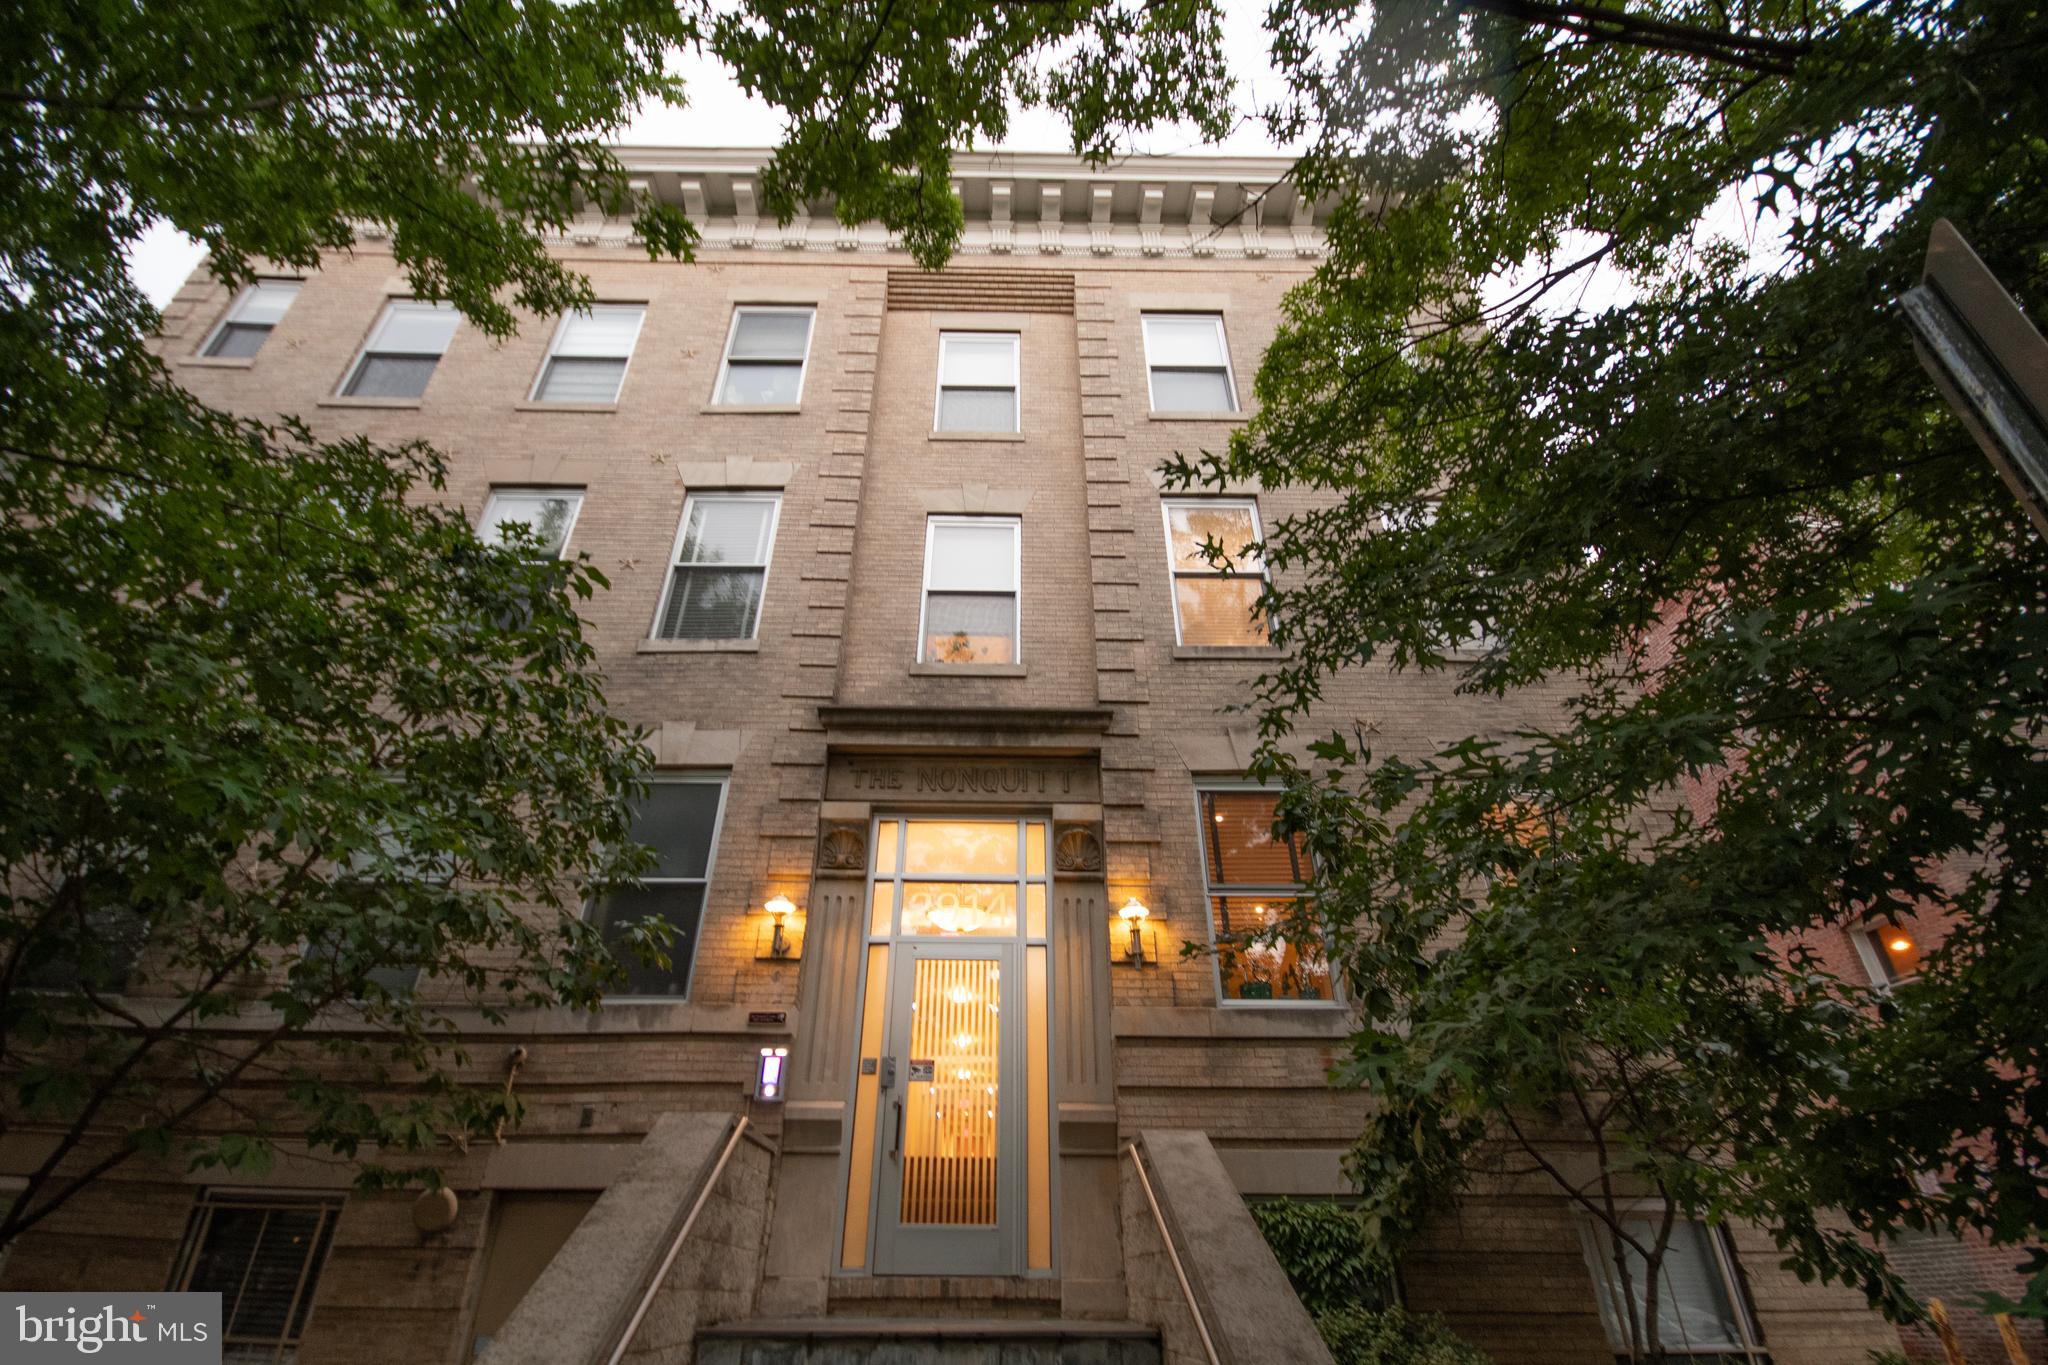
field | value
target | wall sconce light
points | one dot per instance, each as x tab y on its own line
768	1076
778	909
1134	914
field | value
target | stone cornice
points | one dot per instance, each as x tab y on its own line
1019	204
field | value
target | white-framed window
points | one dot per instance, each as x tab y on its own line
550	513
979	381
403	349
249	320
765	351
1703	1311
1187	362
1214	602
719	572
587	359
1254	879
262	1253
679	818
1477	635
972	566
1890	952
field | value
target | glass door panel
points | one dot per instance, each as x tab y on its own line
949	1186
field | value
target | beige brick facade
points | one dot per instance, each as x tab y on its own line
832	676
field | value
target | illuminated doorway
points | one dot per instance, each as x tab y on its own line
950	1167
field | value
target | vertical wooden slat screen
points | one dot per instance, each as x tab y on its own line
949	1144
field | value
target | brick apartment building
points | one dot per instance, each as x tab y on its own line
934	669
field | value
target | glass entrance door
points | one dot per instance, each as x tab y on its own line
949	1173
950	1169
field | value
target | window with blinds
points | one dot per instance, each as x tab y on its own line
256	312
764	357
1254	878
1702	1312
587	360
1215	600
978	381
262	1253
1188	363
971	570
678	818
720	570
403	349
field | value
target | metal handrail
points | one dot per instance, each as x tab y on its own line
1166	1239
675	1247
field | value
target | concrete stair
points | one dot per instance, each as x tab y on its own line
906	1297
927	1341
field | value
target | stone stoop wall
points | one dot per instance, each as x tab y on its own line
1155	1294
1249	1307
719	1270
576	1310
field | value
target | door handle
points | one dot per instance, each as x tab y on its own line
896	1152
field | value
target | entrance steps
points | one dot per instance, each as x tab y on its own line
909	1297
927	1341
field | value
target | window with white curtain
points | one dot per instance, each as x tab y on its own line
403	349
1702	1311
720	571
550	513
1188	363
256	312
971	568
587	360
764	357
978	381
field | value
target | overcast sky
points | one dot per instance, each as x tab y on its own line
719	114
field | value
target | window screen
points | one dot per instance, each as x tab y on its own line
720	571
550	513
1214	602
764	356
978	374
970	600
678	819
263	1255
1189	363
587	362
249	322
402	351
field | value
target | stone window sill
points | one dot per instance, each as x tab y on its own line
220	362
340	401
565	407
1227	652
1197	416
751	409
699	647
967	670
977	436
